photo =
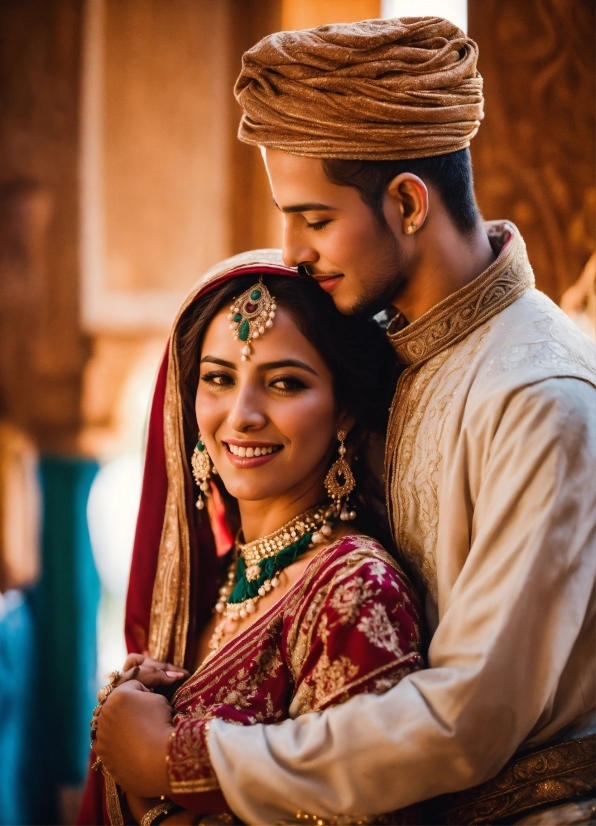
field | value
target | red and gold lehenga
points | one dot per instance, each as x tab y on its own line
349	625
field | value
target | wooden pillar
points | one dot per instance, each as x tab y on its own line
534	154
43	349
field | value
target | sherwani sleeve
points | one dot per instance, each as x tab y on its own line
515	616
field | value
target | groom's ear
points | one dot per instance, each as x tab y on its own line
406	202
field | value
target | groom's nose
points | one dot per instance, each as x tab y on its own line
296	250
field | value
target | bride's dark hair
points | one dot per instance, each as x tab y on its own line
358	355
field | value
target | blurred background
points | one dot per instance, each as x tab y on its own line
121	181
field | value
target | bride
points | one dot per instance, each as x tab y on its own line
262	566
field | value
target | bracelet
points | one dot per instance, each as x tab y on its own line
160	812
105	692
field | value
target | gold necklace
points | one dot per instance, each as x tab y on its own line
317	519
274	542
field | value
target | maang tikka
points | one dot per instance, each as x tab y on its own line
251	315
201	470
340	481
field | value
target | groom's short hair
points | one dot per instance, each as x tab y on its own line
450	175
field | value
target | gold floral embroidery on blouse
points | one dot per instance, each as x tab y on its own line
349	625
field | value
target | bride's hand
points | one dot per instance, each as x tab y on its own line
151	673
133	727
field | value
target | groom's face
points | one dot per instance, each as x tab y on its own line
335	236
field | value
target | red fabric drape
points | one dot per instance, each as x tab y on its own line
145	557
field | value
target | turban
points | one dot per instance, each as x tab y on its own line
375	90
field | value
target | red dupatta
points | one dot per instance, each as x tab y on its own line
174	551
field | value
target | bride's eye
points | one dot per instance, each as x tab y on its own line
217	379
288	384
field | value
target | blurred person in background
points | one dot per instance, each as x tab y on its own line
20	518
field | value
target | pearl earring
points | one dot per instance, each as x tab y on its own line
201	470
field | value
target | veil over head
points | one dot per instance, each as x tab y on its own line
174	555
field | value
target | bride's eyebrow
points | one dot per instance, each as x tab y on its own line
275	365
215	360
270	365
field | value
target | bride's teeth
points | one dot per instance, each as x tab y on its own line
250	452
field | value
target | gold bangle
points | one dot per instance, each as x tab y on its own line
162	808
105	692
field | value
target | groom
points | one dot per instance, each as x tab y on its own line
491	445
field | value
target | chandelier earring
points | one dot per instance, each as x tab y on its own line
340	482
201	470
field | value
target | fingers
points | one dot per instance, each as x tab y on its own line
133	685
132	660
157	664
145	660
152	676
156	677
151	673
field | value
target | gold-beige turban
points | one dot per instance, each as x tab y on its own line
375	90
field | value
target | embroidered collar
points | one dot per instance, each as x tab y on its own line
450	321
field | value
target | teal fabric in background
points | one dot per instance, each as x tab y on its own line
16	694
64	617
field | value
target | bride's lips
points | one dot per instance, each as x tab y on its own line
250	454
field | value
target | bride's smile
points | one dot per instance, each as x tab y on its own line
269	422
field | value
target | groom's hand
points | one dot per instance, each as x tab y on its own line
132	735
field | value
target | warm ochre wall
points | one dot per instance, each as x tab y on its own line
164	135
254	221
534	154
305	14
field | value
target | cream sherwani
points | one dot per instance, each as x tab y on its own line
491	458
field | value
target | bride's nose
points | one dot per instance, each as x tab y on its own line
246	412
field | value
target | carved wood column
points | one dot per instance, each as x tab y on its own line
534	154
43	349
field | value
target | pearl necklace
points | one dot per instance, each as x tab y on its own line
276	541
318	521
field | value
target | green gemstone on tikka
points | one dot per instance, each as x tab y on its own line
255	295
243	331
237	318
200	446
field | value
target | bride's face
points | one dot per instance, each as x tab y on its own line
268	423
